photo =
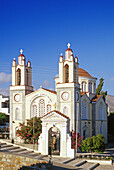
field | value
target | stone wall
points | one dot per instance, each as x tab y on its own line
14	162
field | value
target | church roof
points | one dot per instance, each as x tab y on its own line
69	49
84	73
21	55
58	113
82	93
50	90
96	98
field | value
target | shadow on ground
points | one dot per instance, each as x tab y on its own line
63	168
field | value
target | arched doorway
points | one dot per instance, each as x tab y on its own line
84	132
54	140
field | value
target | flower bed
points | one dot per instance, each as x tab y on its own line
96	158
38	166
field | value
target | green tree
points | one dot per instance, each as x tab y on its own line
30	131
2	117
99	90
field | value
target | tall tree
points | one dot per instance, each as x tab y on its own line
2	117
99	90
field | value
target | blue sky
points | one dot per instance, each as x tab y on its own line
42	28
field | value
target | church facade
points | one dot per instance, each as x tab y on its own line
73	105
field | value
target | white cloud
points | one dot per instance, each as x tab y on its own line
57	75
112	79
46	83
5	92
5	78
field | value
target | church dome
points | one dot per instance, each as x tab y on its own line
21	55
69	49
68	52
84	73
21	58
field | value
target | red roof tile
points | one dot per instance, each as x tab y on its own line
96	98
58	113
50	91
84	73
22	55
69	49
82	93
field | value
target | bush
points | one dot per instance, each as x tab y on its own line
87	145
100	143
93	144
28	132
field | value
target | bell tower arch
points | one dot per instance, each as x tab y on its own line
66	73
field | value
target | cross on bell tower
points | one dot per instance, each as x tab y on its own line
68	45
21	51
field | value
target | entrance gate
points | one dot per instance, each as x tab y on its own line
54	140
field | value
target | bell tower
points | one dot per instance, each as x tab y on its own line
21	86
67	87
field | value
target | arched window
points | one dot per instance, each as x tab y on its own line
84	109
66	73
101	129
34	111
83	86
18	77
41	107
17	114
101	116
84	114
84	132
65	110
90	87
48	108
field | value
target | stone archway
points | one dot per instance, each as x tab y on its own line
54	140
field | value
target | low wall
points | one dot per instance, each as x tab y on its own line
14	162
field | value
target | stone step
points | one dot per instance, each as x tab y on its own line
33	154
40	158
44	156
13	148
2	143
80	163
93	166
67	160
73	163
5	146
18	151
9	148
85	165
26	152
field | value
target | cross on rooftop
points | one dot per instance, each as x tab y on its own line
21	51
68	45
55	105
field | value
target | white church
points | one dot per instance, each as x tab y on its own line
73	105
